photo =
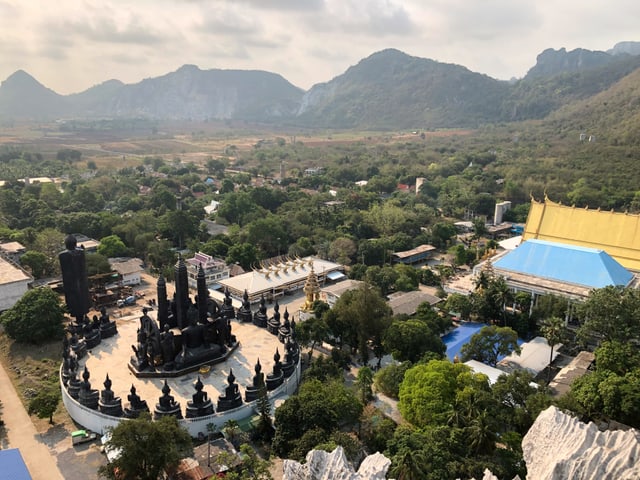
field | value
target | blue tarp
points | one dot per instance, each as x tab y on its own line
565	263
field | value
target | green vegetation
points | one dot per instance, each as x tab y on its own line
455	423
36	318
489	344
313	416
46	401
146	448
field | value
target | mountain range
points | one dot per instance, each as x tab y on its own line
387	90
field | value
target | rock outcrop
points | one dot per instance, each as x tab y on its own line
559	446
322	465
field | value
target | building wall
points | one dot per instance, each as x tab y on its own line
131	279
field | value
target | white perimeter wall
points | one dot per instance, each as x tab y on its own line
99	422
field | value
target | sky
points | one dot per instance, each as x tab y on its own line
72	45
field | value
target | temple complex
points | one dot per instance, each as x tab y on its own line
176	346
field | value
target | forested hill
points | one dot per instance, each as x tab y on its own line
390	89
387	90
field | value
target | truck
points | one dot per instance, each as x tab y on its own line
130	300
82	436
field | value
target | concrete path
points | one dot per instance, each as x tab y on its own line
21	434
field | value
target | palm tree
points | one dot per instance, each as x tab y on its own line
554	330
480	434
411	465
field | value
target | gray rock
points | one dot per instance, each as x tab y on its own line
322	465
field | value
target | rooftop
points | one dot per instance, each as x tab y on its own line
339	288
564	263
12	465
126	266
9	273
415	251
615	232
408	302
12	247
275	276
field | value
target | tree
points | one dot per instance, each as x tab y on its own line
317	405
611	313
460	304
364	381
489	344
411	465
429	391
112	246
441	233
97	264
517	396
179	226
265	425
367	311
37	262
146	448
376	429
252	467
45	403
554	331
35	318
411	339
388	379
617	357
245	254
408	278
342	250
311	332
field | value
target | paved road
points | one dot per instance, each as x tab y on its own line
20	433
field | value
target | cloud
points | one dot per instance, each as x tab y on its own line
106	30
285	5
373	18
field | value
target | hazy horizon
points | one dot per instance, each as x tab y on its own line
83	43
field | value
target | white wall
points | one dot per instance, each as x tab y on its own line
99	422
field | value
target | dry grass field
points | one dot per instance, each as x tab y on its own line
126	144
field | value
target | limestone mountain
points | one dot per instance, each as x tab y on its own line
23	94
186	94
563	80
625	48
552	62
391	89
613	114
387	90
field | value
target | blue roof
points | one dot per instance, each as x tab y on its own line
12	465
566	263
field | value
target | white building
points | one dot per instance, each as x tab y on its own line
274	280
14	282
215	269
129	269
332	293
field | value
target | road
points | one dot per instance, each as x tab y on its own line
21	434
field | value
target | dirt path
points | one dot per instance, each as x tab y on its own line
20	433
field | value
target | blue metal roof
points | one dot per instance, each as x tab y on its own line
12	465
566	263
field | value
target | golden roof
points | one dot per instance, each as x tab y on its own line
616	233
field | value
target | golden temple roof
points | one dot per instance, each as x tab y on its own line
616	233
